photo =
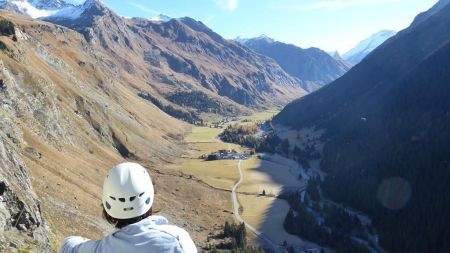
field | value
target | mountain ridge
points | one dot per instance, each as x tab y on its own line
314	66
188	44
425	15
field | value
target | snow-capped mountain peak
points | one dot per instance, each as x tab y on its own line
49	4
336	55
43	9
366	46
241	40
262	37
265	38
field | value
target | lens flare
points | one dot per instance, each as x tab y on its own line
394	193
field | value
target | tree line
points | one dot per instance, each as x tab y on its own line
187	116
237	234
335	231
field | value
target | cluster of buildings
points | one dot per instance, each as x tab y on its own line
225	155
223	121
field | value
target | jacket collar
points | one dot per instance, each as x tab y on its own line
145	223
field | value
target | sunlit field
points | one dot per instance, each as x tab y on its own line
262	116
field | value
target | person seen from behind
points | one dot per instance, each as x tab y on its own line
127	201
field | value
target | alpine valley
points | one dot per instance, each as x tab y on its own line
253	145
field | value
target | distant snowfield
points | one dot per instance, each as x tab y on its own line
160	18
32	11
75	2
366	46
71	12
70	9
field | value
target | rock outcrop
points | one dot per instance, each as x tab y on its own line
21	223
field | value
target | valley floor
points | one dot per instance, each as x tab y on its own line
264	214
271	174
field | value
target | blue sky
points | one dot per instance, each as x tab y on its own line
327	24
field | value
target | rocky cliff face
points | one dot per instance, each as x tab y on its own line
19	207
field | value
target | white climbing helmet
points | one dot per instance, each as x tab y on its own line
127	191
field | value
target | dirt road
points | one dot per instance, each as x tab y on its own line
275	247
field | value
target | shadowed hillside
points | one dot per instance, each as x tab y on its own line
387	133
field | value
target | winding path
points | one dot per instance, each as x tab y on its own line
275	247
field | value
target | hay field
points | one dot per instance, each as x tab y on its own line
262	116
271	173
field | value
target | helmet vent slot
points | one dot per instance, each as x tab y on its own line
132	198
147	201
128	209
122	200
140	195
108	206
112	198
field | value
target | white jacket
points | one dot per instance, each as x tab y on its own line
151	235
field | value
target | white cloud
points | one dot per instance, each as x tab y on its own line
229	5
209	19
329	4
144	8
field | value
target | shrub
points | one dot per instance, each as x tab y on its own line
6	27
3	46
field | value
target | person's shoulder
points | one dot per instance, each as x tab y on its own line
77	244
173	230
163	231
183	237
